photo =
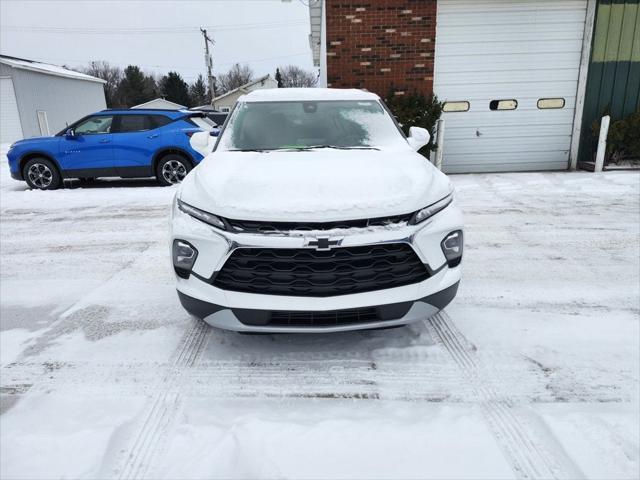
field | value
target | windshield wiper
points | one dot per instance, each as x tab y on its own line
336	147
248	150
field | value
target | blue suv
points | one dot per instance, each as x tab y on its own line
112	143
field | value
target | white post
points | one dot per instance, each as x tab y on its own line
439	143
602	143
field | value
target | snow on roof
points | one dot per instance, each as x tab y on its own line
46	68
307	94
162	103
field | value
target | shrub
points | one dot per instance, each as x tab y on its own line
416	110
623	139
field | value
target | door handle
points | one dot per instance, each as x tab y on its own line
152	136
104	140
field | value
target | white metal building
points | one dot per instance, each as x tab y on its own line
39	99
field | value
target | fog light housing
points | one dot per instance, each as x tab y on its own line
184	256
452	246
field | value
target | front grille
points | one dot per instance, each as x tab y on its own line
351	316
336	317
313	273
249	226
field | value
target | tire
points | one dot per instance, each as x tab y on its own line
172	169
41	174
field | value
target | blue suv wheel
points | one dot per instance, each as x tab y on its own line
172	169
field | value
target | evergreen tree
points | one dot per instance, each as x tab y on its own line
151	89
133	88
175	89
279	78
198	92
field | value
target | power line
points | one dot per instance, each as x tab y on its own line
145	30
181	67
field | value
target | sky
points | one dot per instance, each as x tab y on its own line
158	35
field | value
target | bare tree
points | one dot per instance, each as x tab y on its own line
294	76
111	74
237	76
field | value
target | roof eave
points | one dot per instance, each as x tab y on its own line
88	78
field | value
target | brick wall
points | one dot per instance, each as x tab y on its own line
381	44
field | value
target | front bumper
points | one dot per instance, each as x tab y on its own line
230	319
216	306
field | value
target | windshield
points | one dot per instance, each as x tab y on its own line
319	124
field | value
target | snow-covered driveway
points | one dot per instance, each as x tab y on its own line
532	372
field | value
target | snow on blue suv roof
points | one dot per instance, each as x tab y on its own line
149	111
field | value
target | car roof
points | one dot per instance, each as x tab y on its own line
307	94
146	111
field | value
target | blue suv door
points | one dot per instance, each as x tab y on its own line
135	139
89	148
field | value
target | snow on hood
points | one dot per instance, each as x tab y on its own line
318	185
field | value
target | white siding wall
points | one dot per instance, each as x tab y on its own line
64	99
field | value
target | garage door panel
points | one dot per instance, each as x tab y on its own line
509	77
491	91
542	131
513	47
461	33
522	119
506	164
487	144
461	63
504	158
523	50
497	11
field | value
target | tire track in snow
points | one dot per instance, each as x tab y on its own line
520	437
151	437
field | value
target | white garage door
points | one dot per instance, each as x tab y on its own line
508	72
10	128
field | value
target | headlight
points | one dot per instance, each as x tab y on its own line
206	217
431	210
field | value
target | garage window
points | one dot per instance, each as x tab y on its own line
547	103
455	106
503	104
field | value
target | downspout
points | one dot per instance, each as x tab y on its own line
323	45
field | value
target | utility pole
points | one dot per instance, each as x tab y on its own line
209	62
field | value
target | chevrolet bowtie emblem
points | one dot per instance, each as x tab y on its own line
324	243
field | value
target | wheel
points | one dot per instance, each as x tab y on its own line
172	169
42	174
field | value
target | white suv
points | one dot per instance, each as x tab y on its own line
314	213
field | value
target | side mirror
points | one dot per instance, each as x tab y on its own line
418	137
70	133
215	132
